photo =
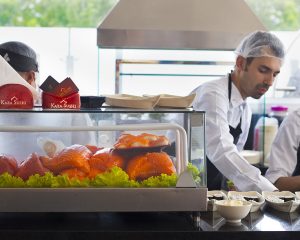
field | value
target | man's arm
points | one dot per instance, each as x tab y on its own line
288	183
220	148
283	157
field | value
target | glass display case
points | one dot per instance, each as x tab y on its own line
105	159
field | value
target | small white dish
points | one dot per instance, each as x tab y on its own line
233	210
167	100
276	200
253	197
212	197
297	194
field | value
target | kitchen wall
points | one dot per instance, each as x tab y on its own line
73	52
62	52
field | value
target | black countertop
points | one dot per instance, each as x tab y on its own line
264	224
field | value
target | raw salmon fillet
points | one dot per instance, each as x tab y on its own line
75	156
32	165
150	164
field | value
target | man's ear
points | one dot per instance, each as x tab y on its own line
240	63
30	77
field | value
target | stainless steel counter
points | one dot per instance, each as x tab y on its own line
266	224
266	219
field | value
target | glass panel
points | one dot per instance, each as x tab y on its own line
287	85
175	72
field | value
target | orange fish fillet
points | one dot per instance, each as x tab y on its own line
75	156
142	140
150	164
103	160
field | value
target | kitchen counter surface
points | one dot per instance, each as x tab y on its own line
265	224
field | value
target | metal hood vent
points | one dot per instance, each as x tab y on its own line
177	24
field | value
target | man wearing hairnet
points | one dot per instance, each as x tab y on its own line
228	115
23	59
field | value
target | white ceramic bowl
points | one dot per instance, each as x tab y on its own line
233	210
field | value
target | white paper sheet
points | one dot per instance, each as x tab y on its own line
9	76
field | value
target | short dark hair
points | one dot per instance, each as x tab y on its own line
20	56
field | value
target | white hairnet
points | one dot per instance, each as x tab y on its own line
260	44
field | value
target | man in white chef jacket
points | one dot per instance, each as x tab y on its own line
228	115
284	168
23	59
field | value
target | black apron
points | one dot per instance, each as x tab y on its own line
215	179
297	169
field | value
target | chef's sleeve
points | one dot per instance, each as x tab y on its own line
220	148
283	156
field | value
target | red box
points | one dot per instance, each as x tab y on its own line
54	102
15	96
62	95
65	88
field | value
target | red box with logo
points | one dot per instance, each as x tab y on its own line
62	95
71	101
15	96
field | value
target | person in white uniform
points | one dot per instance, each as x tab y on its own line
18	144
284	168
228	115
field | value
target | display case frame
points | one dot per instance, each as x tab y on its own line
186	196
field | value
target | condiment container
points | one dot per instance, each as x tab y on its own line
279	112
264	133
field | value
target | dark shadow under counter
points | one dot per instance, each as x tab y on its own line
266	224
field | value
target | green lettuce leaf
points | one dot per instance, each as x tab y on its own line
37	181
63	181
114	177
162	180
195	172
9	181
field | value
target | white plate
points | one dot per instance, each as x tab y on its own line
167	100
240	196
176	101
211	203
131	101
274	201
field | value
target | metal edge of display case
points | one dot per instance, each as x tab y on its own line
103	199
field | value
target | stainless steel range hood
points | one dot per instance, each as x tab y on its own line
177	24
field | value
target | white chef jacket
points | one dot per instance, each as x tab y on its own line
212	97
283	156
21	144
